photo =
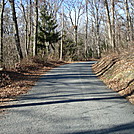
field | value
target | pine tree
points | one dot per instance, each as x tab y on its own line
47	29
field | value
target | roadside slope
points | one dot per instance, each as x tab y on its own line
117	71
19	80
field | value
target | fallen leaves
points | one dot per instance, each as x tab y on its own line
118	75
20	80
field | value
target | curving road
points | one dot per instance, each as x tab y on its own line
69	99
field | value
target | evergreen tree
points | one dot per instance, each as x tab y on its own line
47	29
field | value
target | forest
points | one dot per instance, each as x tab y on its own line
64	29
41	31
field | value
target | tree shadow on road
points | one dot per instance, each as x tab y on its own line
60	102
118	129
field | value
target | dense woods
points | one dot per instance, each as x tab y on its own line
64	29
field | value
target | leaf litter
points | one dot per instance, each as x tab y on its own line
117	72
17	81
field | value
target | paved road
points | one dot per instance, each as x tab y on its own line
69	100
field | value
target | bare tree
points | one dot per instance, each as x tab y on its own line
2	4
35	28
62	34
17	39
97	24
109	24
129	21
26	26
55	6
95	15
87	23
30	27
113	22
76	10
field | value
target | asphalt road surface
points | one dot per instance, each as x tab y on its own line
69	99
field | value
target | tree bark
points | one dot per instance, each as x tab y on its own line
129	22
76	32
86	37
97	21
62	32
109	24
17	39
35	28
113	22
29	48
26	29
1	30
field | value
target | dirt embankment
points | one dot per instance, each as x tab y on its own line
117	71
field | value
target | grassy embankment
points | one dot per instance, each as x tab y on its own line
117	71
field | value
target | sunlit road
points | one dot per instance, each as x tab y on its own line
70	99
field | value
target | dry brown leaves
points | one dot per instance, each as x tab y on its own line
23	79
118	75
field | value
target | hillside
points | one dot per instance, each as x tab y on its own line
117	71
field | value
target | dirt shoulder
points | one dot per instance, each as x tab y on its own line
19	81
117	71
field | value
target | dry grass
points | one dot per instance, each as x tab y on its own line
117	71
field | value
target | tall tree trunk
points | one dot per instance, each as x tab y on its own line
109	24
26	29
76	38
35	28
97	31
17	39
30	28
76	33
113	22
129	22
98	36
62	32
2	4
86	37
